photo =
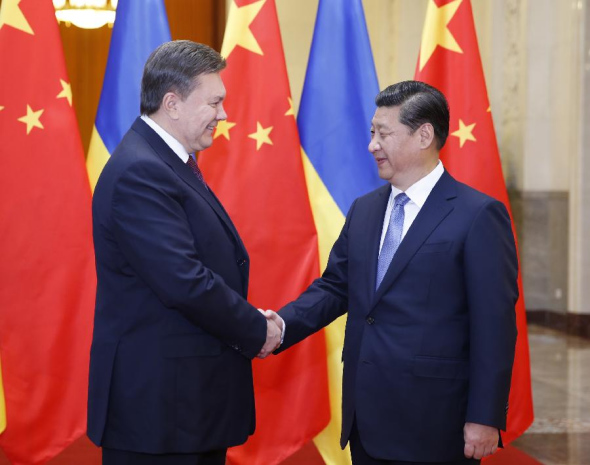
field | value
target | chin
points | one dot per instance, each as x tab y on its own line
205	144
385	175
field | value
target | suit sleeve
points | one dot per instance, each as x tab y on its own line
152	230
325	299
491	272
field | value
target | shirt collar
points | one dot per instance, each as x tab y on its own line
173	143
420	190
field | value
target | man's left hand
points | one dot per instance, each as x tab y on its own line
480	440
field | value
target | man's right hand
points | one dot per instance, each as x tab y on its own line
273	336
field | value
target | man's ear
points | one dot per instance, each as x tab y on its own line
426	132
170	105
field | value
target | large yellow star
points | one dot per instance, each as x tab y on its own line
436	30
290	111
237	30
66	91
261	136
464	133
11	15
1	108
223	128
31	119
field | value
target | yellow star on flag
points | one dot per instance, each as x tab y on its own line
66	91
11	15
237	30
261	136
290	111
436	30
223	128
31	119
1	108
464	133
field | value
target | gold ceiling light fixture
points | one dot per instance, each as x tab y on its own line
86	14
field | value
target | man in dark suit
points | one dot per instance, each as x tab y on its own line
427	269
170	365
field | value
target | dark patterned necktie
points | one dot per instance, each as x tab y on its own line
195	168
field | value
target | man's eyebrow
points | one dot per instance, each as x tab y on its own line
378	125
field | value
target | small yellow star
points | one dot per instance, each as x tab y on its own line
261	136
223	128
464	133
31	119
66	91
11	15
489	109
290	111
237	30
1	108
436	30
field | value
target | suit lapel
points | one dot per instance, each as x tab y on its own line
185	173
229	221
434	210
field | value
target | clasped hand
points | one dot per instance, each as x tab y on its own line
274	331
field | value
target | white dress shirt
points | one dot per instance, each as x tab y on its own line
418	193
176	146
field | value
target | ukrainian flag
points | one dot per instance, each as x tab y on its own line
140	27
334	121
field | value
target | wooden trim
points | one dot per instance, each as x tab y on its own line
574	324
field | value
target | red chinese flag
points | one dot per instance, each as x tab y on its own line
449	60
255	168
47	269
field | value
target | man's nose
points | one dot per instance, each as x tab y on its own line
221	114
373	146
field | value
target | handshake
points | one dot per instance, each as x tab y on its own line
275	327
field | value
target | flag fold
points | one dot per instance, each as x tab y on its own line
255	168
47	269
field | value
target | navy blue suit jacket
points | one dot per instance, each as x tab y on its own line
170	364
433	346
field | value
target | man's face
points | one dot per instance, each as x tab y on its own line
200	112
396	151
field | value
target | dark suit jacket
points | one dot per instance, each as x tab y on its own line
433	347
170	364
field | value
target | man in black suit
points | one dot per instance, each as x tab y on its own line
170	366
427	269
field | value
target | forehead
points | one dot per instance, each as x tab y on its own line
386	117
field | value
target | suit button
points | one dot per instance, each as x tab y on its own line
370	320
241	262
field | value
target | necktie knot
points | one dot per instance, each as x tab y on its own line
401	199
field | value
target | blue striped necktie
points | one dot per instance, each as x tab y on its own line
393	236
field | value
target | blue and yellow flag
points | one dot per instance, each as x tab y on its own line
334	120
140	27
